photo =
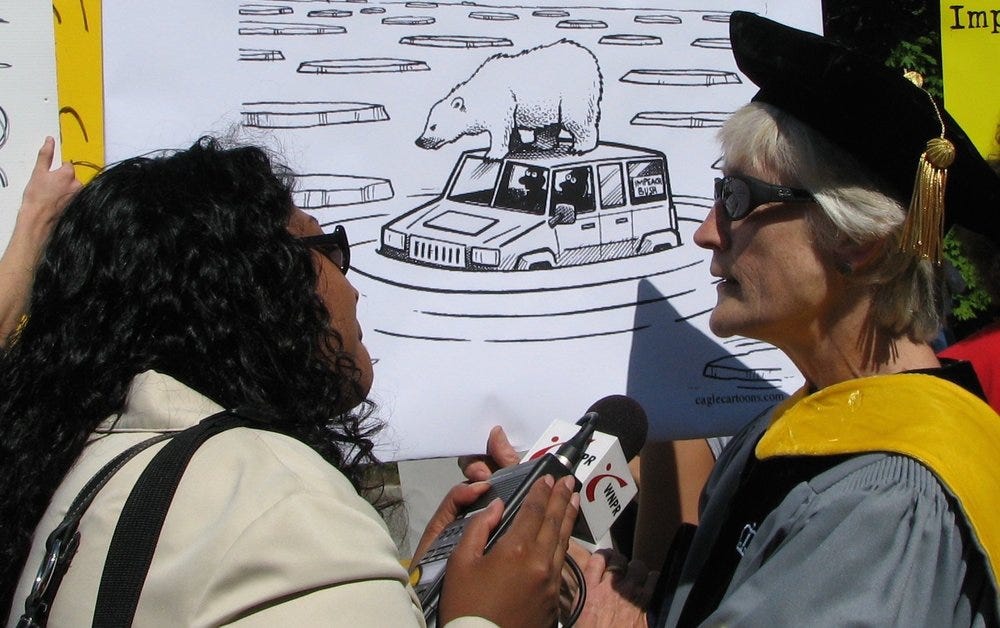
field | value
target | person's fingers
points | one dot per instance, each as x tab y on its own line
44	160
595	567
615	564
460	496
477	532
550	527
475	468
570	510
499	449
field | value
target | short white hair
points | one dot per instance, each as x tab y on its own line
856	208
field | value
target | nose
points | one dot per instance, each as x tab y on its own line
710	233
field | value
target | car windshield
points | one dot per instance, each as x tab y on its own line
475	181
522	187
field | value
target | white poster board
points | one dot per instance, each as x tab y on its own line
488	301
28	103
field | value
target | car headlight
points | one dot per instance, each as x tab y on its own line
394	239
486	257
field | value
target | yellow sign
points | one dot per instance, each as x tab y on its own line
970	51
79	76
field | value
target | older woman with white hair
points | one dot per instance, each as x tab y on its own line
870	496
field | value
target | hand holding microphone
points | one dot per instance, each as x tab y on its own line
515	583
558	454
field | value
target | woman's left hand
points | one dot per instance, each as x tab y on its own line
460	496
617	591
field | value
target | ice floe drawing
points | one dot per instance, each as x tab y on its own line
456	41
627	39
314	191
261	54
251	27
677	119
681	77
370	65
298	115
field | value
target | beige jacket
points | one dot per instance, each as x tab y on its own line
261	532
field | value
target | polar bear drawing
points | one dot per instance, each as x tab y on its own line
546	89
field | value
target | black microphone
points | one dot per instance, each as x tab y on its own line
622	417
607	485
616	414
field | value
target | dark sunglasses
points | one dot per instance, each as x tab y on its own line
740	195
334	246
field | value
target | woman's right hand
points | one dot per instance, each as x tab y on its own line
517	582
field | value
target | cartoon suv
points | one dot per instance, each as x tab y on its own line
533	211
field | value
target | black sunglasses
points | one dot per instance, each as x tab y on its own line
740	195
334	246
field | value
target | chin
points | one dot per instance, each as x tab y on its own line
722	325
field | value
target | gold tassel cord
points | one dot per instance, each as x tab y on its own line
923	230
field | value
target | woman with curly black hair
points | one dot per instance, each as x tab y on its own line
178	285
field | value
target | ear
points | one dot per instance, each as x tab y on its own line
856	258
458	103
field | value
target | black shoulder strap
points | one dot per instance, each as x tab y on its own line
141	521
62	543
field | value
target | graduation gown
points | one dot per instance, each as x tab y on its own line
871	503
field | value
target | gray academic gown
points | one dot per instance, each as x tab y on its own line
873	540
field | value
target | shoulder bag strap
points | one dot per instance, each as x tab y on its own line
141	521
61	544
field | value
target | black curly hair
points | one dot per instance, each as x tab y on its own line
182	263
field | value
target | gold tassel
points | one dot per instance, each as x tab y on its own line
923	230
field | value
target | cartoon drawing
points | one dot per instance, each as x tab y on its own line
250	27
497	100
408	20
657	19
264	9
74	115
297	115
572	167
681	120
582	24
361	66
329	13
626	39
691	77
3	140
750	361
550	13
493	16
456	41
532	211
717	43
261	54
4	126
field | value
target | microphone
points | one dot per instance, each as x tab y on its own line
562	455
606	482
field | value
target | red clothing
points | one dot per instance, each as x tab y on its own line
983	350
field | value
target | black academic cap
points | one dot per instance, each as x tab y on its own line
871	111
